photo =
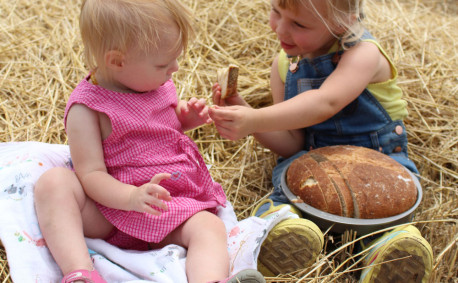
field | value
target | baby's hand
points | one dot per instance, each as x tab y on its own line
200	109
193	113
150	194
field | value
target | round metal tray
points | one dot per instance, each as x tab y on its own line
339	224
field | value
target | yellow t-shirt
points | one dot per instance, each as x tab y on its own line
387	93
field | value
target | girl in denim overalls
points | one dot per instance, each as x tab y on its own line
332	84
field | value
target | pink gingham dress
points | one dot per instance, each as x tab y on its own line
147	139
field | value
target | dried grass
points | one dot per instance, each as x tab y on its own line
40	63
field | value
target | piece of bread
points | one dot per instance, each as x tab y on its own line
227	79
352	181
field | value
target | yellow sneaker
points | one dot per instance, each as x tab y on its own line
291	245
408	257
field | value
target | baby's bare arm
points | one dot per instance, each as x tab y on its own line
83	129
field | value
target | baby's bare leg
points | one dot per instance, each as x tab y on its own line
65	214
205	237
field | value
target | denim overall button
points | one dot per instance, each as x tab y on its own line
398	149
398	130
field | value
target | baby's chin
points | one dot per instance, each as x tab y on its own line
168	79
145	90
148	89
131	90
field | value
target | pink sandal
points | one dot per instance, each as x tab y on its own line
83	275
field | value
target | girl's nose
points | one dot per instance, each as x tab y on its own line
281	29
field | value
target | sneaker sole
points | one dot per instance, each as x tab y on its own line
410	269
247	276
290	246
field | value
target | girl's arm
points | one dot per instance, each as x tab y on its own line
358	67
84	138
287	142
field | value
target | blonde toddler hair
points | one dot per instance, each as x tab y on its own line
121	24
344	13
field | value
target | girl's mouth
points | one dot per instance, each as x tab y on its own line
286	46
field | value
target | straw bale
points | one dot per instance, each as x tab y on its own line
40	64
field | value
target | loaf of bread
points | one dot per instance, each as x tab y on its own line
352	181
227	79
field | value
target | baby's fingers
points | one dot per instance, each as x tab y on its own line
192	102
159	177
198	105
162	194
157	200
148	209
142	198
201	104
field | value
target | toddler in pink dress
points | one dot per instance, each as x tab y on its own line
146	140
138	182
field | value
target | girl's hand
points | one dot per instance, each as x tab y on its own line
193	113
234	122
150	194
233	100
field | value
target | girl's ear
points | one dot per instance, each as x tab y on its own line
114	60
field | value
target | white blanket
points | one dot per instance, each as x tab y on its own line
21	164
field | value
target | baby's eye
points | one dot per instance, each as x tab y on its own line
299	25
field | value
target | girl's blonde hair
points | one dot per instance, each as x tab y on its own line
121	24
344	13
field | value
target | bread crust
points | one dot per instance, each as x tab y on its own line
352	181
227	79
